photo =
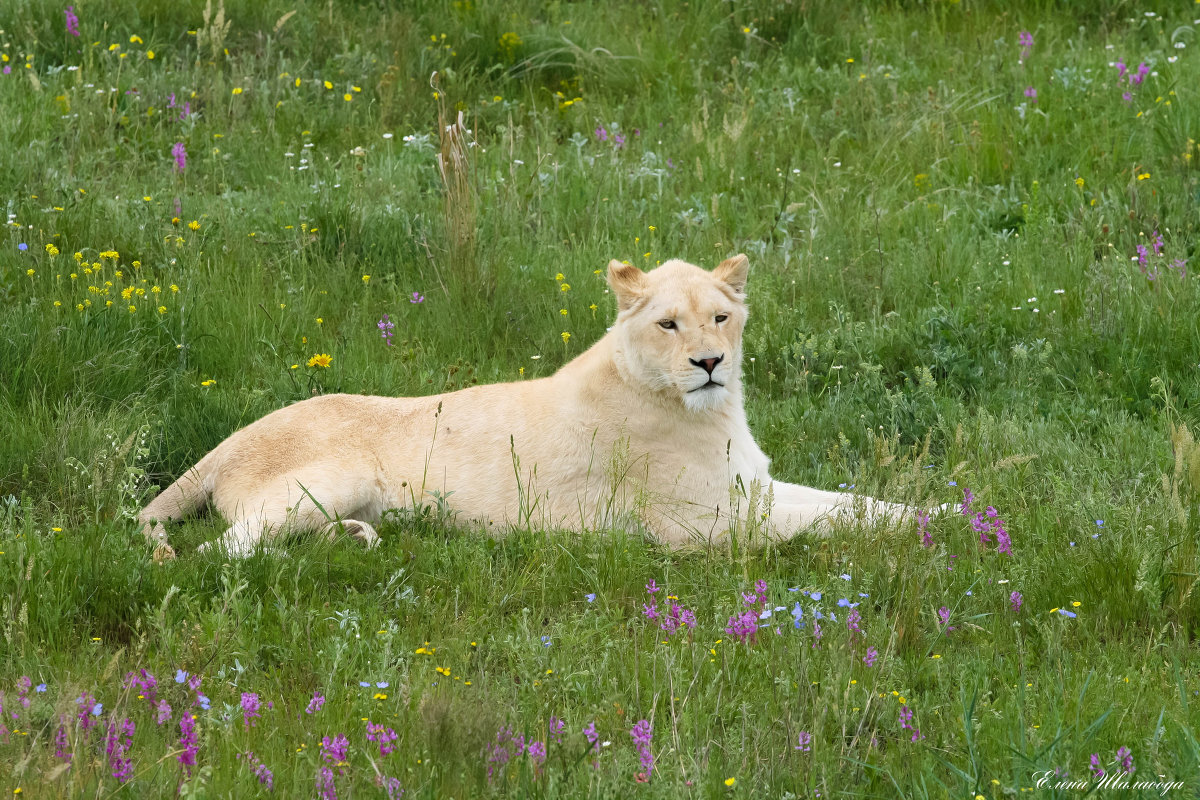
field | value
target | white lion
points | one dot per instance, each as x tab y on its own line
648	425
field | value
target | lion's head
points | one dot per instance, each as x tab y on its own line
679	329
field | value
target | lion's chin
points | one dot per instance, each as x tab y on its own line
707	398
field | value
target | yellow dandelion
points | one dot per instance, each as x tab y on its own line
730	781
1143	176
150	54
135	39
194	225
328	85
237	90
347	97
322	360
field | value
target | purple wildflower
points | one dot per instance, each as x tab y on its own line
944	619
315	704
1156	241
180	153
816	634
1025	38
1142	71
1125	756
869	658
250	705
325	788
618	140
602	134
334	750
62	747
906	716
852	624
803	742
417	297
1016	599
162	712
1097	770
923	528
1127	97
1142	257
87	710
556	727
1179	264
537	753
391	785
187	740
145	683
743	627
642	735
1122	70
261	771
385	326
72	21
117	743
500	752
383	736
1031	93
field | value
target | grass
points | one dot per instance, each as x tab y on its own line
943	296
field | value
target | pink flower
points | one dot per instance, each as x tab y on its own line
72	21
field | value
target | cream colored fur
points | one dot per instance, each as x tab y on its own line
633	427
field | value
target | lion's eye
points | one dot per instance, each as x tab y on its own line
667	324
722	317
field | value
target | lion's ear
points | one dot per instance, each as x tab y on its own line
627	282
734	271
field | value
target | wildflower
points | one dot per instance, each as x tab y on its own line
922	528
797	615
117	743
566	337
325	787
602	134
556	727
804	742
417	297
1181	265
1015	599
385	326
1142	71
871	656
187	740
618	140
261	771
1097	771
162	712
591	597
72	21
383	737
334	750
250	706
194	225
1156	241
61	745
816	633
1126	758
906	716
1142	257
180	676
537	753
1031	93
642	734
944	619
730	781
322	360
180	154
1025	39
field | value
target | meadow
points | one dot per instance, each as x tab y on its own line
972	233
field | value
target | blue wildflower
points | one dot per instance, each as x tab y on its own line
591	598
180	676
815	595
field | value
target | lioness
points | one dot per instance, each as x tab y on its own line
648	422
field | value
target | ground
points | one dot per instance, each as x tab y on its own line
971	228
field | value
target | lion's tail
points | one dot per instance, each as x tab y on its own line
181	499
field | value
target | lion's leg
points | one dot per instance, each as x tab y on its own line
356	529
296	504
802	506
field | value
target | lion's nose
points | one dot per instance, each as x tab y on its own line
709	364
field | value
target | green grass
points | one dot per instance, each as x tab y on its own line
901	211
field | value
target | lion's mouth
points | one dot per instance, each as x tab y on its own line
711	383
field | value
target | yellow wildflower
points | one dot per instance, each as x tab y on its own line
322	360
